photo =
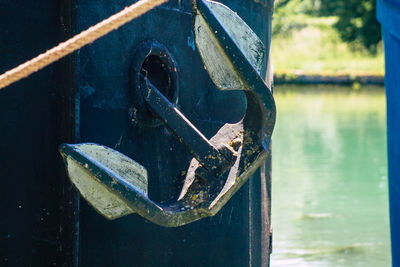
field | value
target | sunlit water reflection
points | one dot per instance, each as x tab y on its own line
329	188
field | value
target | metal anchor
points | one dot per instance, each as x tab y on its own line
116	185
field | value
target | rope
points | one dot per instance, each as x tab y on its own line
78	41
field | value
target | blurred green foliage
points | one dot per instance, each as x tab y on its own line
356	22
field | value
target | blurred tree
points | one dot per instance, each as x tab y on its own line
289	15
356	18
357	22
327	7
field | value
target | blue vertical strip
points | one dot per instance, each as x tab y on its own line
388	13
392	82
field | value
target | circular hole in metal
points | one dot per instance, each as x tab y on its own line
153	61
157	72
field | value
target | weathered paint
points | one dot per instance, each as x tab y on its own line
221	70
104	200
239	234
133	173
212	159
87	98
248	42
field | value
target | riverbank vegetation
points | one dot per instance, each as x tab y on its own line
326	38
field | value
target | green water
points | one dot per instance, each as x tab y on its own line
329	188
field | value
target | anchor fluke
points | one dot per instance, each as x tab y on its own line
98	172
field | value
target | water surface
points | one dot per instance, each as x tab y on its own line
329	188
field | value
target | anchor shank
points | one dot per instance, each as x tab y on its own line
198	145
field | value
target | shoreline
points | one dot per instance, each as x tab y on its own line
299	77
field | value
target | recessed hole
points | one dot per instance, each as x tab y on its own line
158	73
153	61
